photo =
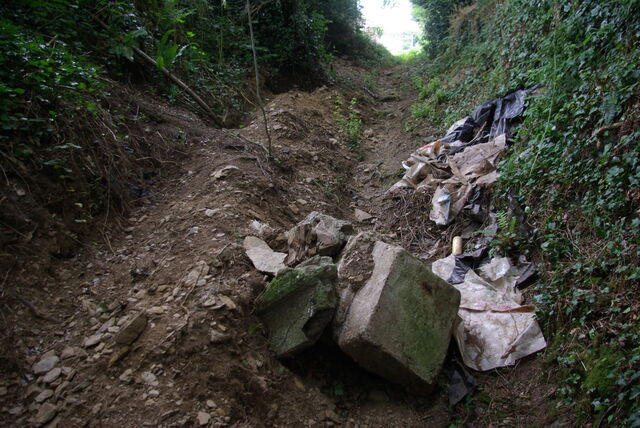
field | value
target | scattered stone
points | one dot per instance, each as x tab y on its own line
154	393
130	331
362	215
219	337
297	305
44	395
210	302
52	375
211	404
203	418
46	412
294	209
126	376
96	409
45	364
62	387
224	171
333	416
105	326
3	391
262	256
317	234
119	353
399	323
16	410
149	378
263	230
209	212
156	310
92	340
68	352
201	269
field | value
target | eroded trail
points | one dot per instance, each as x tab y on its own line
198	356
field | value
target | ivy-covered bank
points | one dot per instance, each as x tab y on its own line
574	166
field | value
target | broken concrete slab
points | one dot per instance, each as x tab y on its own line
262	256
298	304
317	234
354	270
399	323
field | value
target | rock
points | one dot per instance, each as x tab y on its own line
211	404
224	171
354	270
294	209
298	304
96	409
149	378
200	270
92	340
262	256
219	337
68	352
399	323
46	412
317	234
203	418
44	395
52	375
131	330
209	212
126	376
362	215
263	230
45	364
16	410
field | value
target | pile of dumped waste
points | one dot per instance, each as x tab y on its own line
388	310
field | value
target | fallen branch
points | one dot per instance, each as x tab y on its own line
171	76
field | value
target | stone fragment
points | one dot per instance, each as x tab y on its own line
362	215
126	376
68	352
45	364
262	256
149	378
203	418
92	340
46	412
200	270
224	171
219	337
399	323
354	270
52	375
317	234
131	330
298	304
44	395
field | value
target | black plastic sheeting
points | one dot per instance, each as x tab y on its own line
491	119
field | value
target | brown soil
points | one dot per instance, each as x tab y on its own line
203	345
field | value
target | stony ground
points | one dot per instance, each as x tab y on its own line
199	356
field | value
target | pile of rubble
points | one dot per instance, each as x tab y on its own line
385	307
388	310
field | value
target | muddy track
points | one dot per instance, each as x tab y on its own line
202	358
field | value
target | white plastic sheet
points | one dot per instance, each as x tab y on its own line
495	329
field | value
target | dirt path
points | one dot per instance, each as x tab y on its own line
199	356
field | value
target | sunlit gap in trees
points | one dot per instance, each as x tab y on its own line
391	23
